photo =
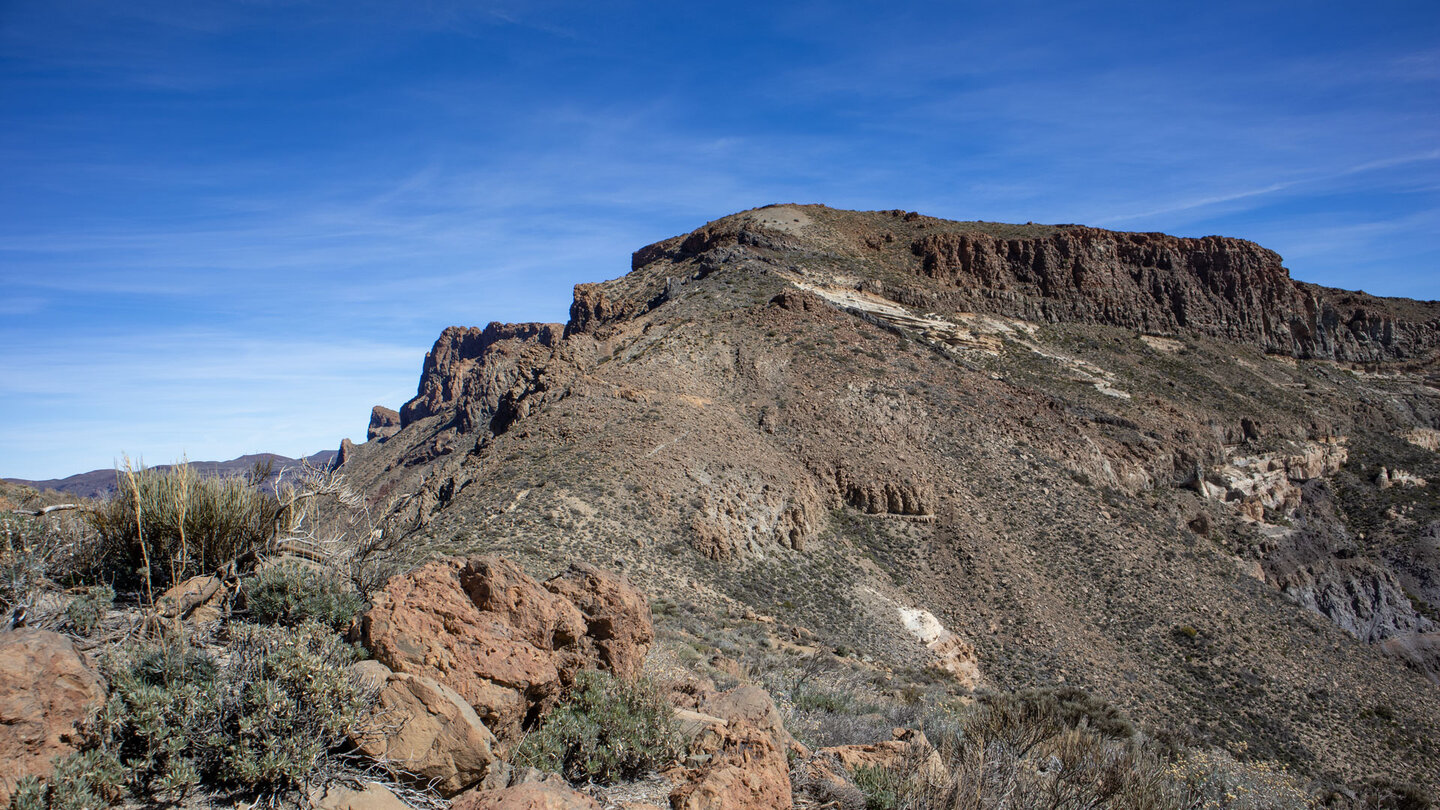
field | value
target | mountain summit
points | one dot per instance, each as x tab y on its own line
1155	467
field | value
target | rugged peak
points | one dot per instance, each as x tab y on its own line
468	364
384	423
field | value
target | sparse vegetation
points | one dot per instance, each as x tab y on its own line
605	730
292	592
263	717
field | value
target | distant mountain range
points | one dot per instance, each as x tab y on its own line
95	483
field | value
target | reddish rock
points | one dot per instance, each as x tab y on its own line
618	630
908	748
503	641
384	423
472	369
47	687
752	705
749	772
427	731
528	796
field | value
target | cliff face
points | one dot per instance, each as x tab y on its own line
1225	288
471	369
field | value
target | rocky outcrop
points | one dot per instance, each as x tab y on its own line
752	516
953	654
1224	288
47	688
909	748
1361	597
751	705
384	423
427	732
1270	481
503	641
1428	438
748	771
471	369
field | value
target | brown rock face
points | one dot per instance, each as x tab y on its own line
46	688
428	731
616	617
384	423
749	772
503	641
472	368
529	796
1225	288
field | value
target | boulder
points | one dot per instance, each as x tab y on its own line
427	731
748	772
372	796
47	687
618	631
199	600
753	705
527	796
504	642
908	748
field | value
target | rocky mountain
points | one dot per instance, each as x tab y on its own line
97	483
1153	467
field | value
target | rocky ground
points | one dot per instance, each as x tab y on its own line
1148	466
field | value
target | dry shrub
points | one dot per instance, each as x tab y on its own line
175	523
1064	749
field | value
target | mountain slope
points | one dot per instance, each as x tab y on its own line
1144	465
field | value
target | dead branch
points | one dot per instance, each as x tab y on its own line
59	507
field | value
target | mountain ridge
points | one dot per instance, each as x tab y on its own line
772	415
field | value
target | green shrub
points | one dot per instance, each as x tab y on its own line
287	699
884	788
606	729
190	524
89	780
263	717
293	593
89	608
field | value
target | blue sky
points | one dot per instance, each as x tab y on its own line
234	227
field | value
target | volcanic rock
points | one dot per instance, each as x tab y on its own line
748	772
47	687
384	423
500	639
427	732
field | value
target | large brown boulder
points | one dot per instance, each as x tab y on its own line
753	705
503	641
428	732
528	796
618	630
47	687
749	772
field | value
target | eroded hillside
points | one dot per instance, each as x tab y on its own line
1157	468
